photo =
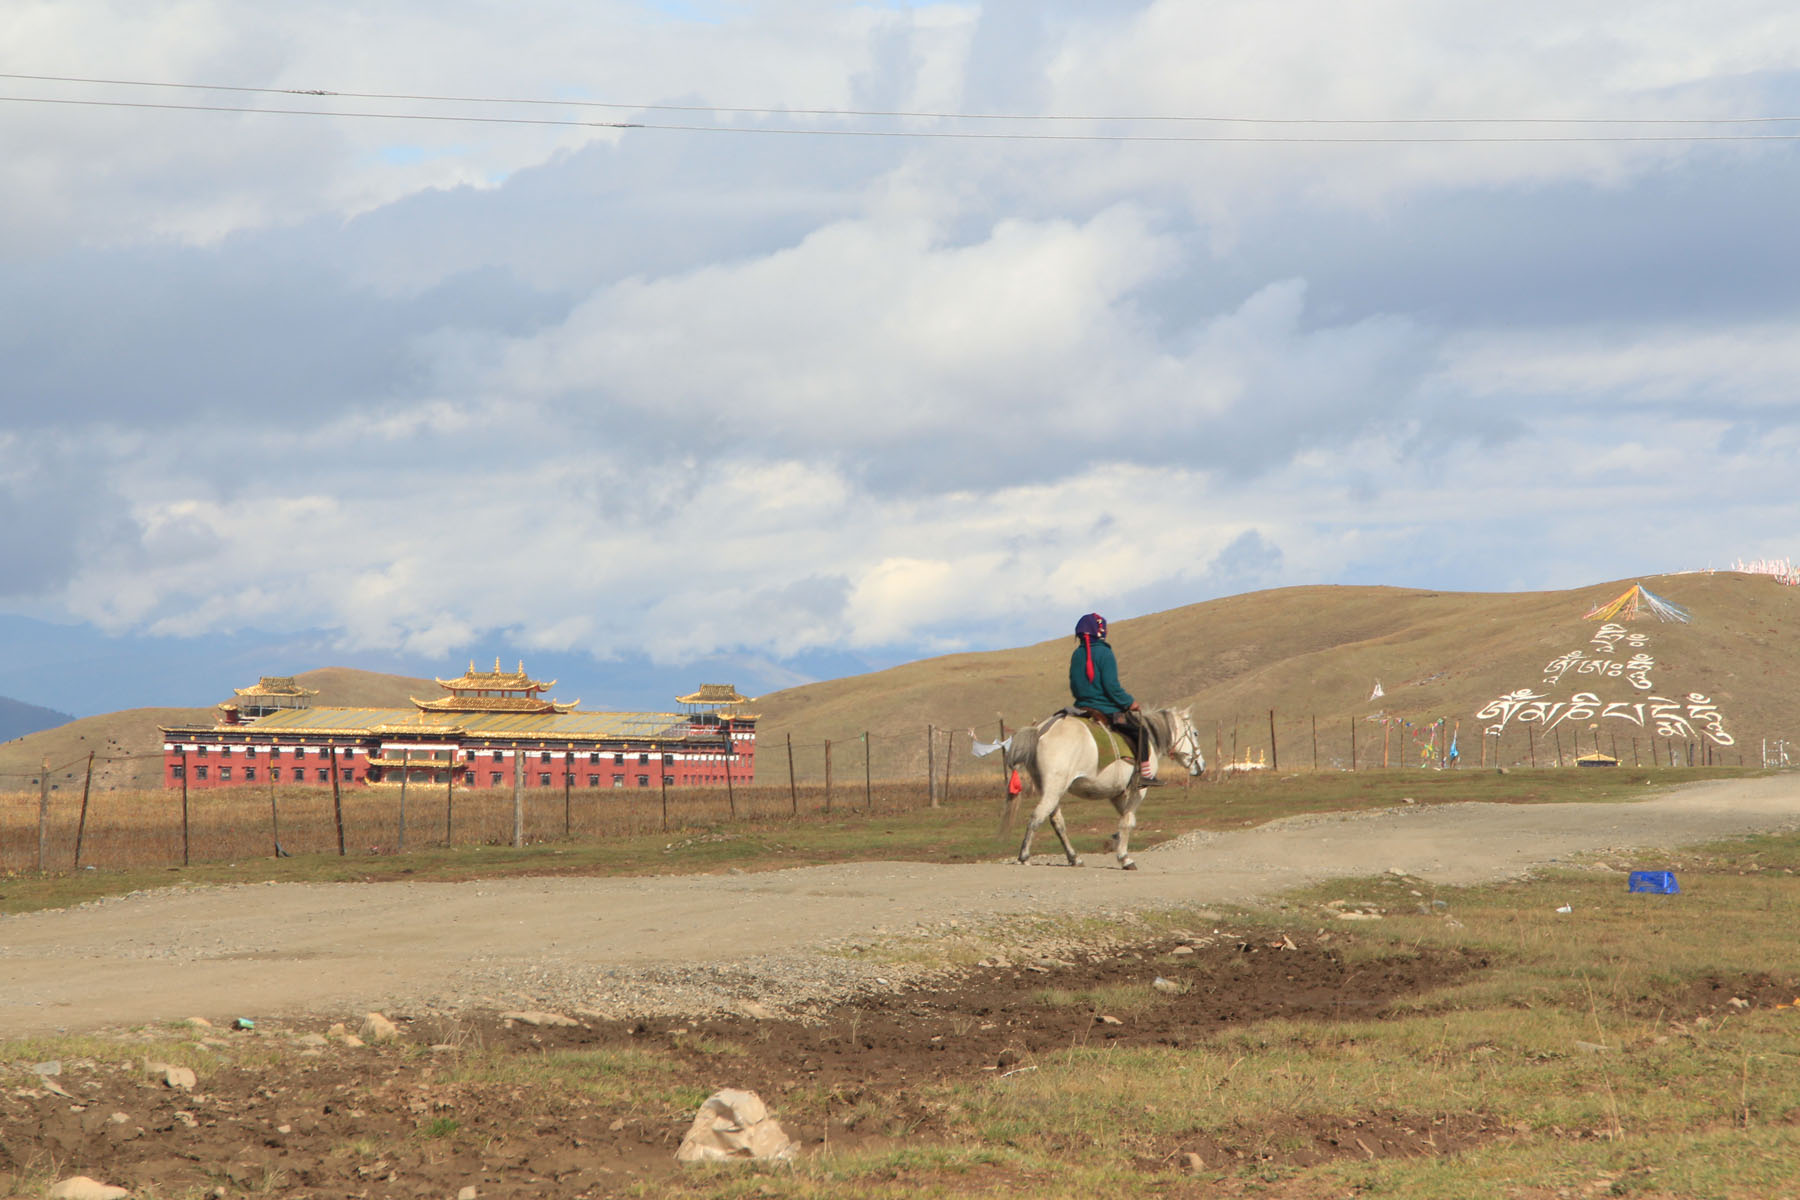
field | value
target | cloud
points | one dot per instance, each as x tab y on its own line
658	397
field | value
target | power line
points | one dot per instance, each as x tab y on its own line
898	113
915	134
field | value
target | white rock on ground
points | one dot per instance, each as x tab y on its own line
468	1193
734	1126
377	1028
179	1078
80	1187
538	1018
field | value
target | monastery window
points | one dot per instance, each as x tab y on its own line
544	757
618	758
202	751
494	778
668	780
618	780
224	772
643	780
593	781
642	759
249	774
324	775
178	771
544	777
440	777
349	774
200	772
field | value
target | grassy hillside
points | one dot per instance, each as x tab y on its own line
128	745
1315	653
18	718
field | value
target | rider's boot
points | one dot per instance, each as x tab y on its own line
1146	779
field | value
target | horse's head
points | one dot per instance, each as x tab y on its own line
1184	741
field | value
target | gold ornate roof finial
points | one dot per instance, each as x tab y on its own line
521	666
497	664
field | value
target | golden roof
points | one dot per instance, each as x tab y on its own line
276	685
518	704
496	680
398	722
714	693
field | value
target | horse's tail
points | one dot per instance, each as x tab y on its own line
1021	753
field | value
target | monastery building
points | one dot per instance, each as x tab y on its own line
491	725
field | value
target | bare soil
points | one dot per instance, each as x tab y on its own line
390	1121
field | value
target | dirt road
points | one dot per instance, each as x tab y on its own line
289	950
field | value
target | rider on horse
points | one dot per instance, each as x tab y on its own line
1094	683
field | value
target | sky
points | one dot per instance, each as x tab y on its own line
1459	296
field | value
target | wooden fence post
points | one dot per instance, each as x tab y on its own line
662	780
1218	750
931	764
44	816
949	746
730	791
449	799
405	774
518	835
337	799
793	789
868	788
184	808
1559	761
274	817
1315	737
568	786
87	786
1531	744
1353	743
1274	753
827	774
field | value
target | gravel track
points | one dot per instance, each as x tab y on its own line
781	939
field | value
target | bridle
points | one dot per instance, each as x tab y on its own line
1187	746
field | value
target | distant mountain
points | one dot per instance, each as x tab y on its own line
18	718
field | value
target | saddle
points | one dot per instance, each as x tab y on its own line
1112	745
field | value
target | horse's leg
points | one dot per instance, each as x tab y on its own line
1047	807
1127	805
1062	832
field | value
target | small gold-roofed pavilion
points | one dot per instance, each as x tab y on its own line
271	693
495	691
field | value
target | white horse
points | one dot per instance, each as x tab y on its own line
1060	756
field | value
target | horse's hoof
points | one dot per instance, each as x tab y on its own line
1128	865
1075	862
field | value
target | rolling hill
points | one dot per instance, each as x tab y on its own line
1315	654
18	718
128	744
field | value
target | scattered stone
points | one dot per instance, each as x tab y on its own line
468	1193
52	1067
539	1018
1104	1019
180	1078
734	1126
1738	1002
187	1118
617	1124
1182	950
338	1030
1592	1048
119	1119
756	1011
1193	1162
352	1042
1400	871
1352	915
199	1022
1167	986
377	1028
80	1187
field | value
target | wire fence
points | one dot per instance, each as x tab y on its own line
74	815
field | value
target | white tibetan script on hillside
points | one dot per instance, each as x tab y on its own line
1694	716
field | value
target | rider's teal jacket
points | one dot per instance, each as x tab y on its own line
1102	692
